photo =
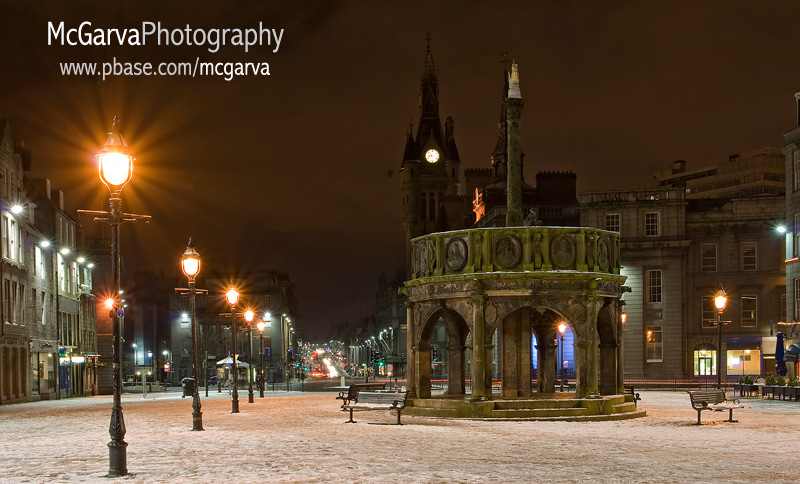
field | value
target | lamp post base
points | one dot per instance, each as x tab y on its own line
197	415
117	459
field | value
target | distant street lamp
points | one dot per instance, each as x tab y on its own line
720	301
286	321
190	264
167	367
562	328
248	316
261	327
232	296
115	165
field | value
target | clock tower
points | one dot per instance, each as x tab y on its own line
431	169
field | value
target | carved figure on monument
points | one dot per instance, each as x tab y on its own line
590	252
507	251
478	252
456	254
431	258
537	250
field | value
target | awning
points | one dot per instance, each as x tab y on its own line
229	361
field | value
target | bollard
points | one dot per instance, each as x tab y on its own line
144	386
343	383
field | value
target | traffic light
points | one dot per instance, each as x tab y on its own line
435	353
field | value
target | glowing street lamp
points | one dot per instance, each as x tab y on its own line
720	301
248	316
232	296
115	164
190	265
562	328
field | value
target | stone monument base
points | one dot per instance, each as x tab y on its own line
547	406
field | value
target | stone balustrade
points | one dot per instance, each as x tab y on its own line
515	249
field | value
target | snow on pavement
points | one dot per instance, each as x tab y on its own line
302	437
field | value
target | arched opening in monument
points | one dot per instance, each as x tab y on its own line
527	347
609	377
442	354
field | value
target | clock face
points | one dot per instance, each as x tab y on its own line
432	156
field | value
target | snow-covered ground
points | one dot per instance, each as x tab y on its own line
302	438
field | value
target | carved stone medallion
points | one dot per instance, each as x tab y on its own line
562	252
422	258
456	254
507	251
602	254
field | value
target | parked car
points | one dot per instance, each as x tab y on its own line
212	380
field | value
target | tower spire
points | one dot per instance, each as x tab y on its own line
429	86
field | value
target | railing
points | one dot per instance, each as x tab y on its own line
515	249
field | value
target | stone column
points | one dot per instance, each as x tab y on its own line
516	367
423	372
608	368
478	350
455	370
487	370
411	355
548	359
514	168
587	361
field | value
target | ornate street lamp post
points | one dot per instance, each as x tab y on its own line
248	316
190	264
232	296
261	327
115	165
720	301
562	328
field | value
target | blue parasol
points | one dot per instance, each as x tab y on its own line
780	365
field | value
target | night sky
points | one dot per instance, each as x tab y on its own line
290	171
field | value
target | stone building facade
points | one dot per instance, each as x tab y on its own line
682	239
48	340
792	169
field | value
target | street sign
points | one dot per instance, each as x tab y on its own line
120	313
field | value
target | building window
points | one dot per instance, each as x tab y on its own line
783	306
796	236
748	256
612	222
654	286
749	310
709	312
708	257
654	346
652	226
797	299
796	155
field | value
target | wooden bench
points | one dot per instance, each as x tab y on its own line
713	400
392	401
351	395
628	390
